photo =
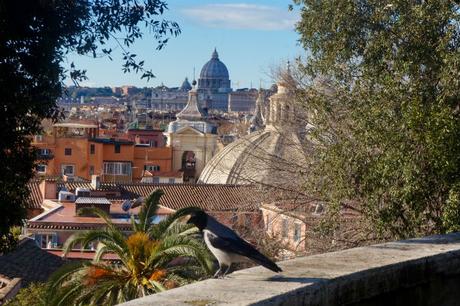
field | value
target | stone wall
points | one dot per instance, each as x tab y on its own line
423	271
10	288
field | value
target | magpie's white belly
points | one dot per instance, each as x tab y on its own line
222	257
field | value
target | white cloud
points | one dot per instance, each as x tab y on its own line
242	16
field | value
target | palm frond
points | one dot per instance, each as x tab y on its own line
148	210
152	259
84	238
156	231
157	286
98	212
63	289
177	246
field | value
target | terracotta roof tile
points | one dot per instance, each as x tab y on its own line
35	197
211	197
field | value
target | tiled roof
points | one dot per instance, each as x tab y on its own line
210	197
207	197
29	262
35	198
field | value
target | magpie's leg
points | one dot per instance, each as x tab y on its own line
223	269
216	275
227	270
218	272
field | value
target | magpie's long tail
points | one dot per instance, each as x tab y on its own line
265	262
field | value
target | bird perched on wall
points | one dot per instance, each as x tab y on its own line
226	245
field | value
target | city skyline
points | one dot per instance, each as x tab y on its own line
251	38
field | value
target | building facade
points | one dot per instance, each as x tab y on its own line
214	91
76	150
192	139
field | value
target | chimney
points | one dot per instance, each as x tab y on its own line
95	181
48	189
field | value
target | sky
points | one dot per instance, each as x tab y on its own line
251	37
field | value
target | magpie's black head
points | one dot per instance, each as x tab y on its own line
199	219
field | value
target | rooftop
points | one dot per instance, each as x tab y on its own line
210	197
35	197
29	262
63	216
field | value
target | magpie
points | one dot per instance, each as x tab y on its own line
226	245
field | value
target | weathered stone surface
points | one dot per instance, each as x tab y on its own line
385	274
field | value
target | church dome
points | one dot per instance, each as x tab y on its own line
214	68
265	157
274	156
185	85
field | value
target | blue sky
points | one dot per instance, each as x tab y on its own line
251	37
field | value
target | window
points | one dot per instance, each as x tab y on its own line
285	228
38	138
152	167
46	241
297	232
41	168
92	149
171	181
153	143
68	170
117	168
91	170
117	148
68	151
44	152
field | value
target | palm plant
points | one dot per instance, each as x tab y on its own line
154	257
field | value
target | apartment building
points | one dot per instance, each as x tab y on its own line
77	150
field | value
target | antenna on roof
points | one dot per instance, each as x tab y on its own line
193	73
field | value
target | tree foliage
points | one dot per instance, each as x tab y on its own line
33	294
35	39
382	88
153	258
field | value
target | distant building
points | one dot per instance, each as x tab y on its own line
129	90
192	139
76	150
271	156
242	100
172	177
164	98
214	84
117	91
292	222
147	137
214	92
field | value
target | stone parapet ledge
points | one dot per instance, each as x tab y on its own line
423	271
9	291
